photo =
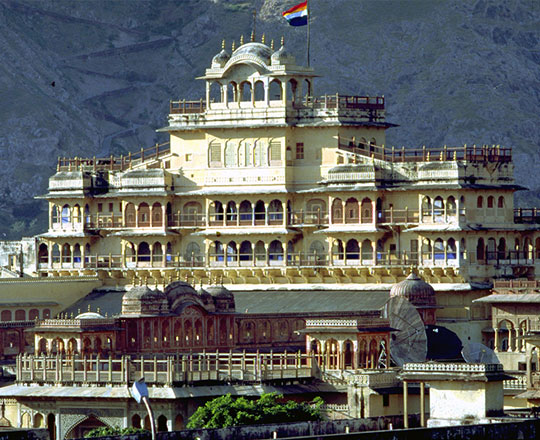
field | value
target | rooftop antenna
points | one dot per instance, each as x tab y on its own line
476	353
254	26
409	343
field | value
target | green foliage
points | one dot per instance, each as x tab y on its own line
105	431
225	411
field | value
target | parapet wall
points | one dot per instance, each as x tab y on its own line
358	429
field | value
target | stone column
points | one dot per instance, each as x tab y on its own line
510	340
496	339
373	211
405	405
137	215
266	213
422	404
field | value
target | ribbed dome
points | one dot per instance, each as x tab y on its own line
221	58
416	290
89	315
142	300
177	289
219	292
259	50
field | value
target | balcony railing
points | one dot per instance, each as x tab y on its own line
484	153
113	163
527	215
507	258
181	368
255	259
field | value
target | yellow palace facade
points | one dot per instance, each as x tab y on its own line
265	182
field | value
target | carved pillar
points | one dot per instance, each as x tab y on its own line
405	405
496	339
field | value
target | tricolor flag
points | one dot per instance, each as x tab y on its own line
297	15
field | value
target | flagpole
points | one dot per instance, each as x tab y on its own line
307	5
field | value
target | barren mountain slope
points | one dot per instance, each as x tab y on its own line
452	72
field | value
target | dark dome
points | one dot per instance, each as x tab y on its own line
142	300
219	292
258	50
143	293
416	290
178	288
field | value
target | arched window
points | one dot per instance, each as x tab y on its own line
275	90
77	253
501	249
491	249
217	250
33	314
157	253
66	253
232	92
491	202
214	154
367	251
143	215
352	250
275	212
191	212
438	209
351	211
338	252
451	206
480	250
162	423
66	215
76	214
232	252
480	202
337	211
246	213
500	202
307	88
157	215
5	315
129	214
260	251
215	92
20	315
259	91
317	252
245	90
55	215
136	421
216	213
260	213
426	207
246	251
43	254
192	252
230	155
275	251
451	249
143	252
367	211
231	213
439	250
292	90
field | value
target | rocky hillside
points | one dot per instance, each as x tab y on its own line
85	78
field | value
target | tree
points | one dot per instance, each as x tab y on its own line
225	411
106	431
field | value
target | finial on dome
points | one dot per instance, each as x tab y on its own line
233	48
272	45
263	38
282	40
223	44
241	40
252	36
98	309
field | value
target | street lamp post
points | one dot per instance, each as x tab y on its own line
139	391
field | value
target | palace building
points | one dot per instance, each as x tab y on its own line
265	182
